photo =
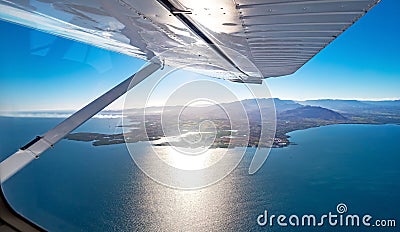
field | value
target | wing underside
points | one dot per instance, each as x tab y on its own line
238	40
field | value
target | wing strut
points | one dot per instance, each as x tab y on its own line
37	146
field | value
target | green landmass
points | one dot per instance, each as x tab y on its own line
290	116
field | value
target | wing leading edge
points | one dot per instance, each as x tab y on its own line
243	40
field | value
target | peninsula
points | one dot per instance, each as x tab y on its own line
290	116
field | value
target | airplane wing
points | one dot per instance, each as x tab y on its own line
238	40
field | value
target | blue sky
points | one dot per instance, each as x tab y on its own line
363	63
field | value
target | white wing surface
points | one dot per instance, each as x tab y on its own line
277	36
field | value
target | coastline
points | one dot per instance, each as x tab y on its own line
98	139
288	134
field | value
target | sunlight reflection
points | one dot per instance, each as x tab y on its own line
183	161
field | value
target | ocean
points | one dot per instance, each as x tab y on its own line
79	187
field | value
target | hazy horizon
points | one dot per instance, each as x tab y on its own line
67	112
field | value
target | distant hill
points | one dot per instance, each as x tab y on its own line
392	103
310	112
338	105
324	109
285	109
355	106
283	105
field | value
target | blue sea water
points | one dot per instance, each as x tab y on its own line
79	187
